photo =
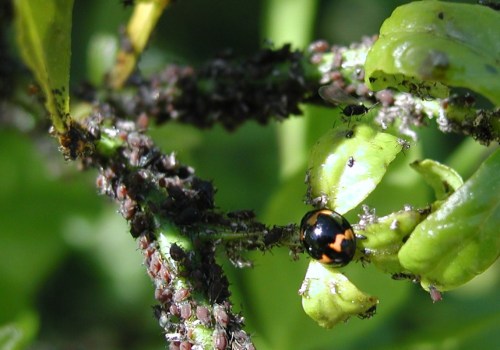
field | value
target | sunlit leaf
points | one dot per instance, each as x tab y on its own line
328	297
44	38
347	164
443	179
386	236
427	45
461	239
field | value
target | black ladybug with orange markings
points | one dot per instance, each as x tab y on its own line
328	237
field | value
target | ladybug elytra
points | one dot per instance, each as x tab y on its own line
328	237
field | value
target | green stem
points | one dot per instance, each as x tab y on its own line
281	26
142	23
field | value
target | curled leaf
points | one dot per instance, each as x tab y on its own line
347	164
328	297
461	239
443	179
386	236
427	45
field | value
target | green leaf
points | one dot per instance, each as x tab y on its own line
347	164
386	236
44	38
461	239
443	179
328	297
20	332
427	45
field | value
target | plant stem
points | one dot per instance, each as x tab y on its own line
136	36
281	26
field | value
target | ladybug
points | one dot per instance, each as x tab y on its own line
328	237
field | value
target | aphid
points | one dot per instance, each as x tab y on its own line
351	110
33	89
335	95
405	145
221	317
181	294
242	214
185	345
185	310
435	294
219	339
318	46
203	314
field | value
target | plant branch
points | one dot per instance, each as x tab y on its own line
142	23
172	213
273	83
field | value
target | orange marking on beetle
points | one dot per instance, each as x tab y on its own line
324	211
349	234
314	218
325	259
337	244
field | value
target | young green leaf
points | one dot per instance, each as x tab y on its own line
443	179
328	297
427	45
44	38
461	239
386	236
347	164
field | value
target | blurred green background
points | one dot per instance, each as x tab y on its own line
71	276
